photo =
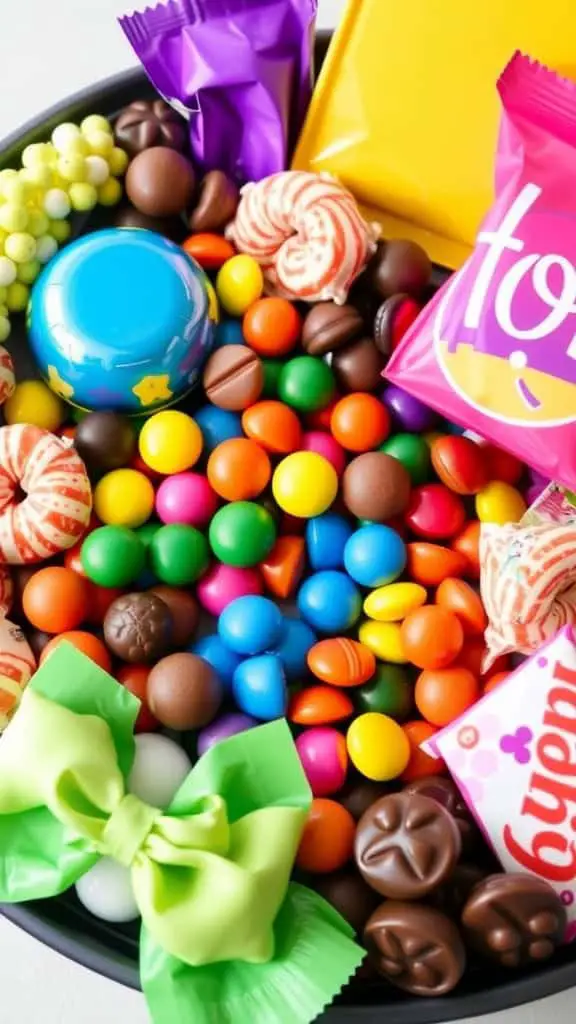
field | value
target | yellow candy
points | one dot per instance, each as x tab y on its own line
110	192
500	503
170	442
384	640
117	161
33	402
239	284
28	272
394	602
4	328
20	247
304	484
378	747
124	497
95	123
17	297
99	142
83	197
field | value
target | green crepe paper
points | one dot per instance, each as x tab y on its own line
225	937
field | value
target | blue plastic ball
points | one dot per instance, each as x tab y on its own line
259	687
224	661
330	601
217	425
375	555
296	641
326	537
229	332
251	624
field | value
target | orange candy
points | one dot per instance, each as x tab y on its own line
459	597
431	637
341	662
282	569
441	695
473	654
209	250
238	469
467	544
55	599
360	422
327	842
494	680
89	644
135	679
273	425
272	327
319	705
420	764
429	564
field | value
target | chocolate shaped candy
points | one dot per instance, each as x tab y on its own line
138	627
216	204
445	792
147	123
406	845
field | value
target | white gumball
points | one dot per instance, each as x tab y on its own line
65	135
159	769
106	891
8	272
97	170
56	204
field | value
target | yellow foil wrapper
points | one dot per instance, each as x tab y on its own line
405	111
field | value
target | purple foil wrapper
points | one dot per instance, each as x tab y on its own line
240	72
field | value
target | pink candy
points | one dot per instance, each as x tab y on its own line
322	751
186	498
224	583
324	444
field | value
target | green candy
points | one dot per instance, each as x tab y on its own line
178	554
242	533
306	383
389	692
113	556
147	532
413	452
272	370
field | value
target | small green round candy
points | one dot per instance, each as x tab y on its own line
306	383
110	192
389	692
83	196
179	554
8	175
28	272
413	452
20	247
4	328
13	217
60	230
272	370
113	556
147	532
95	123
242	533
3	295
37	223
17	297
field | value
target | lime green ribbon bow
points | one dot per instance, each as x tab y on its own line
210	875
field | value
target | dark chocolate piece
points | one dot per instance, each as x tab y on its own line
216	204
138	627
147	123
328	327
357	797
128	216
452	895
183	608
442	789
105	440
350	896
358	366
399	266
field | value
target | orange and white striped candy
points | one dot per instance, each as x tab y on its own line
306	232
56	509
17	666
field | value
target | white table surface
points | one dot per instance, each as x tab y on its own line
48	49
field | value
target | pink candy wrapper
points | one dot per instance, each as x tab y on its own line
513	756
496	348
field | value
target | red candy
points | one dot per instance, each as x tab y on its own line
501	465
135	679
283	568
460	464
434	512
209	250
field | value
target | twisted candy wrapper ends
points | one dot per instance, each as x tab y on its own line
220	921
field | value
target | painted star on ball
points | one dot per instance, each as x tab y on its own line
153	388
58	384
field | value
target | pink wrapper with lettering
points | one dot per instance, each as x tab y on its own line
496	348
513	756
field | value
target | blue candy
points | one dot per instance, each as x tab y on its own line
326	536
375	555
259	687
330	601
213	649
251	624
296	641
217	425
229	332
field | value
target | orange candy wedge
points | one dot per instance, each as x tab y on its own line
274	425
282	569
319	705
429	564
459	597
467	544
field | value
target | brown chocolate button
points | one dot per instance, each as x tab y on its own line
406	845
376	486
147	123
357	797
138	627
328	327
399	266
184	691
105	440
452	895
350	896
417	948
160	182
217	202
233	377
514	919
442	789
183	608
358	366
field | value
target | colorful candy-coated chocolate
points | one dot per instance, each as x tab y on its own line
222	728
224	583
124	497
429	564
89	644
389	692
322	751
341	662
242	533
421	764
460	464
459	597
443	694
283	567
319	419
272	326
330	601
186	498
239	283
319	705
434	512
135	679
360	422
378	747
306	383
384	639
113	556
251	625
211	251
273	425
259	687
55	599
374	555
229	332
327	842
170	442
500	503
502	465
326	538
238	469
467	544
224	661
293	648
413	452
217	425
32	401
432	637
394	602
179	554
324	444
304	484
408	412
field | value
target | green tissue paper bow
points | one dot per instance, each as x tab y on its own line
226	937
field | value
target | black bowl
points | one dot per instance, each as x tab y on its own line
112	951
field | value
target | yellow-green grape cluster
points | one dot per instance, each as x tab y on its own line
78	169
